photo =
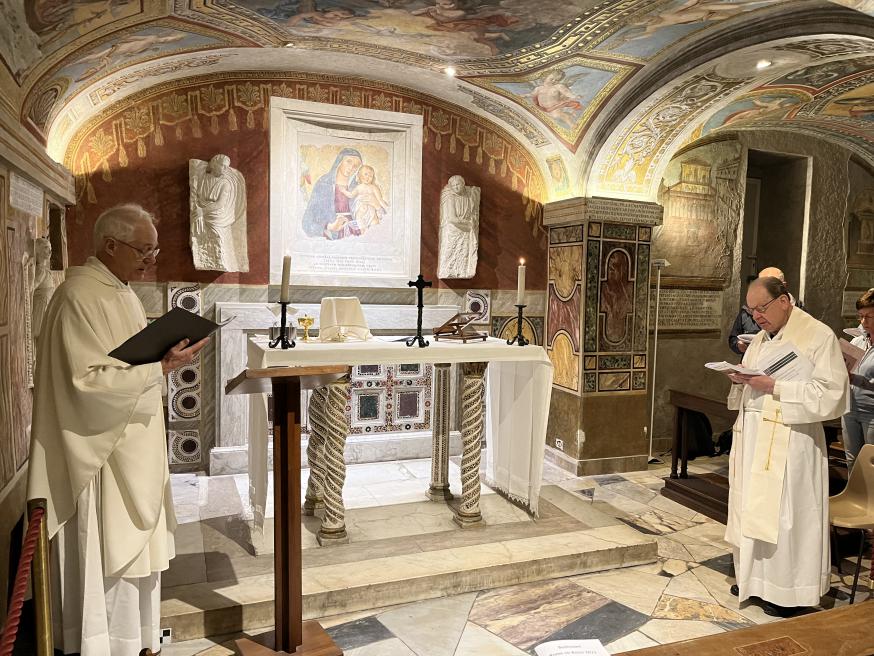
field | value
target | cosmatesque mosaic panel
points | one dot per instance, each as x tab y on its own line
389	398
184	388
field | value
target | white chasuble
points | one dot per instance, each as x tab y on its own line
98	438
778	469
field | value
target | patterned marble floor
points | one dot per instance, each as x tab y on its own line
684	595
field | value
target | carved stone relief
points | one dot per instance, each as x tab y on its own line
218	215
459	229
701	194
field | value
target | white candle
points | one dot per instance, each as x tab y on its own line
286	272
520	284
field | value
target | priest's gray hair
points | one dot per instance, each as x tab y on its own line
118	222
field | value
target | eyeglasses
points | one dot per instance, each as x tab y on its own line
144	254
862	317
760	309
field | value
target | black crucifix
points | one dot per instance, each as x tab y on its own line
420	283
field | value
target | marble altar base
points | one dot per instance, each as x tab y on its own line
402	548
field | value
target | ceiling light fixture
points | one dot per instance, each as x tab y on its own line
450	71
762	64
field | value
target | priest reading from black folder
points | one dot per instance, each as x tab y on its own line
778	471
98	448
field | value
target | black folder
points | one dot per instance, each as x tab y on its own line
152	342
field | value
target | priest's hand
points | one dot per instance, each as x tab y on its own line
762	384
738	379
181	354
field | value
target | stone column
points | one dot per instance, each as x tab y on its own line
328	422
596	333
439	489
315	494
472	431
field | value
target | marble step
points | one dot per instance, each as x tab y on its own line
215	608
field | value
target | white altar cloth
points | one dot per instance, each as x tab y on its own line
518	391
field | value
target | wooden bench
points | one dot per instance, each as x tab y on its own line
708	493
704	493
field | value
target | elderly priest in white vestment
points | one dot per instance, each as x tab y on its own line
778	470
98	449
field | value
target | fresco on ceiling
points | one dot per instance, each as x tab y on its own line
564	97
440	28
119	51
858	104
755	106
37	28
647	34
821	75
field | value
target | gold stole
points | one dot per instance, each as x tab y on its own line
763	491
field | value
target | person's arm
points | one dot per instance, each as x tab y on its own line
736	329
821	397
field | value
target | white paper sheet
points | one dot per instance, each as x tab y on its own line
571	648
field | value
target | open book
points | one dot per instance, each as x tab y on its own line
852	354
152	342
783	362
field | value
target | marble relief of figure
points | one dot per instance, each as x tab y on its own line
459	229
43	285
218	215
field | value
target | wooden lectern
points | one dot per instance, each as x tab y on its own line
292	635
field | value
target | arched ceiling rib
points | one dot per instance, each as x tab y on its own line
570	78
816	85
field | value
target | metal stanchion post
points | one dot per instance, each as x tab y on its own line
42	597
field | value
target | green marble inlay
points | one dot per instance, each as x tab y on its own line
619	231
641	290
590	329
614	362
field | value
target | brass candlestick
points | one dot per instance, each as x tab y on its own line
306	322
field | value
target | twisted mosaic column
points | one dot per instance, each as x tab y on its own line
315	495
335	427
439	489
472	430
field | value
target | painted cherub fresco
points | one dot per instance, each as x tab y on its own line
761	107
687	13
129	46
485	25
554	97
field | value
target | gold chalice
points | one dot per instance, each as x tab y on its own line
306	322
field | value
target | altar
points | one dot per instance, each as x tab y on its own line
505	400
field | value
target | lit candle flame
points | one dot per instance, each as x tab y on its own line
521	260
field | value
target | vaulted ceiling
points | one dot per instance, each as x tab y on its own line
610	89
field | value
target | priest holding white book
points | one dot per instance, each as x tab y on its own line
778	470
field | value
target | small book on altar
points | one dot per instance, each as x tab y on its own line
571	648
152	342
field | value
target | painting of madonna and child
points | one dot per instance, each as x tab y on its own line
345	192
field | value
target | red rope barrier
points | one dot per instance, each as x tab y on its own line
13	617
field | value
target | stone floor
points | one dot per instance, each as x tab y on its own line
683	595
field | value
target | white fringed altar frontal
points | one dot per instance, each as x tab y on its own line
518	387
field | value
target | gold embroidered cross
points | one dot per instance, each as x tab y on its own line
776	421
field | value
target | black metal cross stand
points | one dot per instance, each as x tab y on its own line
419	283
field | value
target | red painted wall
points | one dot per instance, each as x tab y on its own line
138	152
